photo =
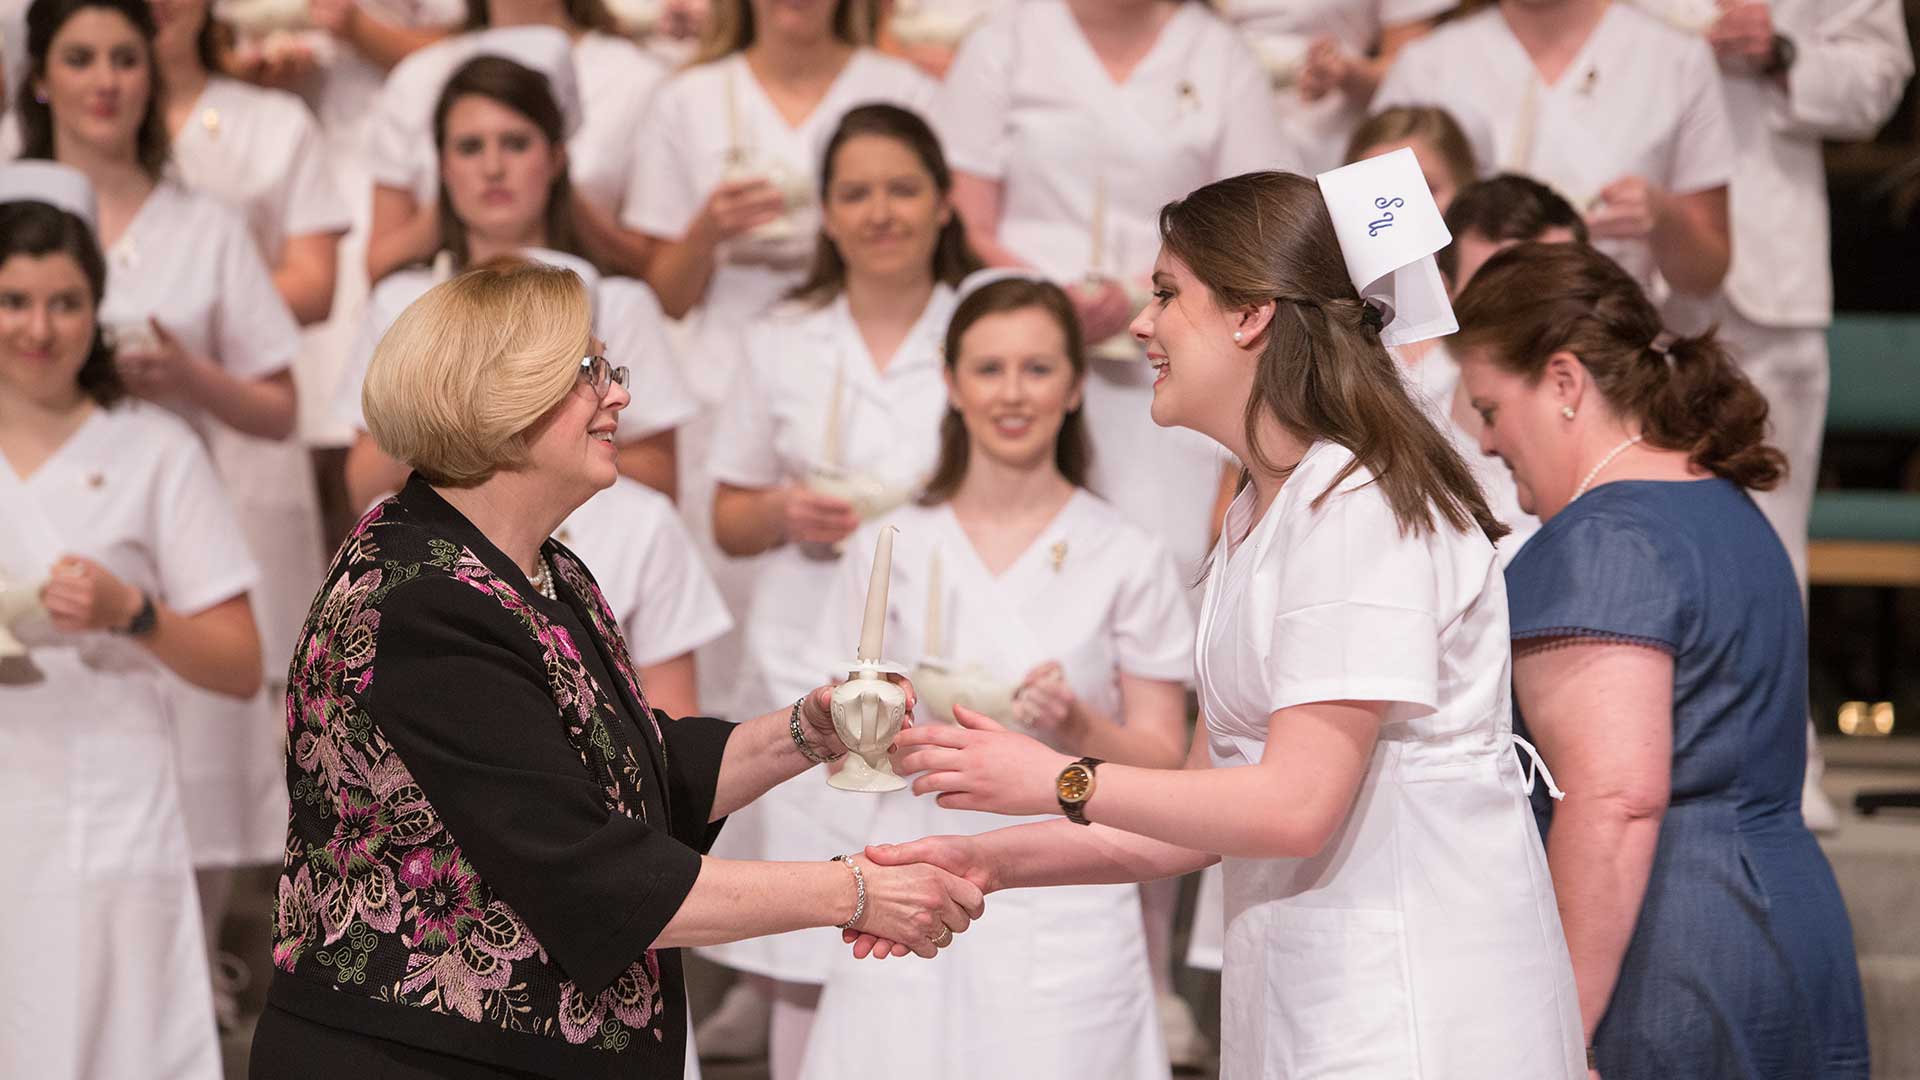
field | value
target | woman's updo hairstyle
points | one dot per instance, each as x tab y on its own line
1533	300
1072	454
45	18
36	230
528	93
1322	371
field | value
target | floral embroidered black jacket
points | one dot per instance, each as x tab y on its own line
489	825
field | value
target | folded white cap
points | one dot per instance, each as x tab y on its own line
51	183
980	279
1389	228
547	50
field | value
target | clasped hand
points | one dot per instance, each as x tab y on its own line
913	906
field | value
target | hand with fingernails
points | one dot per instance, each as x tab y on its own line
913	907
980	765
958	856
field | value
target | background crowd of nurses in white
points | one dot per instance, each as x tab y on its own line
234	215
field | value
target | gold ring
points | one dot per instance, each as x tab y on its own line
944	938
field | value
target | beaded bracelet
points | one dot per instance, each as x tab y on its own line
859	891
800	739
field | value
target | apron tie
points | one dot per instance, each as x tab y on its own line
1539	767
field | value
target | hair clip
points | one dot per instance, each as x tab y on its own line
1370	315
1662	346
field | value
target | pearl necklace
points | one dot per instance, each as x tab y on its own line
543	580
1604	462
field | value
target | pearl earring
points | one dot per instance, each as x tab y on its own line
1566	411
1236	335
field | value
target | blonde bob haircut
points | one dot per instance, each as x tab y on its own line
466	369
730	27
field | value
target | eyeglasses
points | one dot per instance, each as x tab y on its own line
599	373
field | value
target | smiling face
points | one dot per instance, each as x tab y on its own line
883	211
498	169
1202	377
97	82
1013	385
571	448
46	326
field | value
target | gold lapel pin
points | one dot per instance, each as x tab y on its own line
1059	553
96	480
210	119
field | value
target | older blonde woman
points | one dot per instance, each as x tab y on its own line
496	846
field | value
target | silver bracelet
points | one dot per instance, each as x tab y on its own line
859	891
800	739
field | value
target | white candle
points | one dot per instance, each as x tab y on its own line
1096	263
830	448
933	606
873	628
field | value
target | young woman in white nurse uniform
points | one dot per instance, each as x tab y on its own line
845	380
1069	124
601	143
1014	582
1388	911
1326	57
504	190
201	330
121	566
1618	111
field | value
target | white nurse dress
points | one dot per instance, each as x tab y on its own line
1028	104
772	431
1640	98
1053	982
188	260
103	949
1423	940
1281	31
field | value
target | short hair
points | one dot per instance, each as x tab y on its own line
1507	207
466	369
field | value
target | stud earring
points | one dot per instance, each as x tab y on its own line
1237	335
1566	411
40	96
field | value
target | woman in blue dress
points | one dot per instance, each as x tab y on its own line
1660	662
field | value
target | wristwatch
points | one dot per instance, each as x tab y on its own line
1785	52
1074	787
144	621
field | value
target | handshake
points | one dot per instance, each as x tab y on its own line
915	897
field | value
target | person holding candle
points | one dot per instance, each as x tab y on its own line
842	395
114	523
1069	123
504	189
1388	911
502	835
1008	571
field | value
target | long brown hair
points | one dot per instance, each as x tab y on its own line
953	257
1533	300
36	230
1072	454
44	20
730	26
1322	371
526	92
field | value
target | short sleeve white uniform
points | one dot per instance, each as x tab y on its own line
1027	103
1056	983
1280	32
1639	99
189	261
625	316
1424	939
630	536
98	893
772	431
615	76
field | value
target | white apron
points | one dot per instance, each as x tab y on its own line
774	430
1085	164
103	940
1053	982
189	261
1423	941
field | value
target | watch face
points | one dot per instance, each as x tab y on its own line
1075	779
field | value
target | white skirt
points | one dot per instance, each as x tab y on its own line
1050	983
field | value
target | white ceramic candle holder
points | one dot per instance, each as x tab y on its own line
867	710
871	497
942	686
18	601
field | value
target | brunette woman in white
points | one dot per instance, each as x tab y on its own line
121	566
842	396
1388	911
1016	589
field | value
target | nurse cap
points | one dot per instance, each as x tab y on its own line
1388	227
980	279
545	49
49	182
